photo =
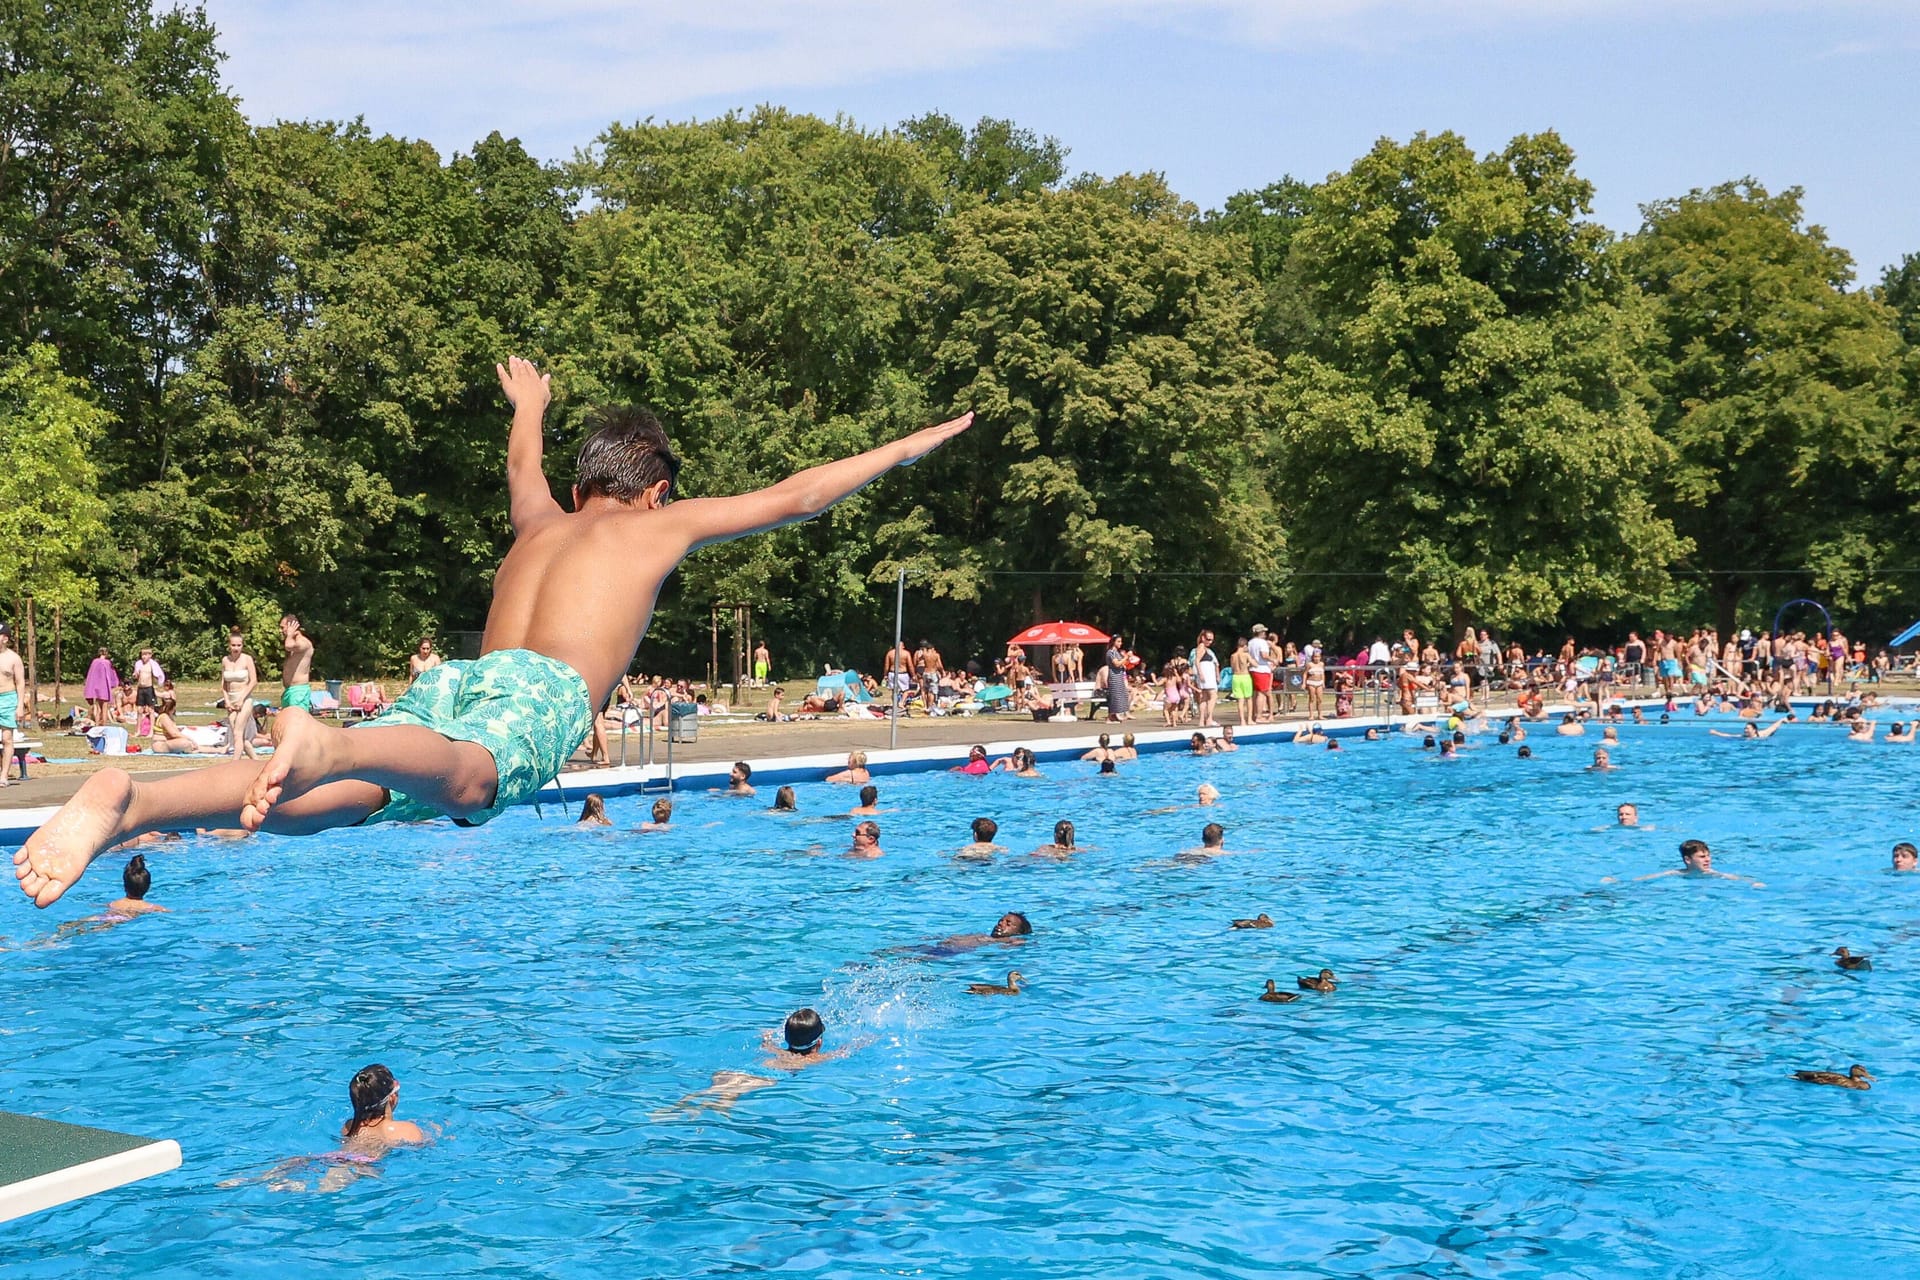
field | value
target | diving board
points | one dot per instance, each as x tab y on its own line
44	1163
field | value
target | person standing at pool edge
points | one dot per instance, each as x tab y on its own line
296	690
571	602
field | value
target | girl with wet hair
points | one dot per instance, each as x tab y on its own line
784	801
593	812
374	1093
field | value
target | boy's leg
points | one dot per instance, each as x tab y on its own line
452	777
111	807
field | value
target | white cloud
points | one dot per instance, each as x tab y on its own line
451	70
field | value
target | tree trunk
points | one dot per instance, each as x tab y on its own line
58	692
1039	606
33	671
1727	593
1462	619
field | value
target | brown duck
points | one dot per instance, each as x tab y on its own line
1261	921
1325	982
1273	996
1849	961
995	989
1857	1077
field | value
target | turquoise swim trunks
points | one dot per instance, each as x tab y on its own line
528	710
298	695
10	710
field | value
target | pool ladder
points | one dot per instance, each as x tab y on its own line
649	786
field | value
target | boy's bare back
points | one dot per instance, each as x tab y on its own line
580	586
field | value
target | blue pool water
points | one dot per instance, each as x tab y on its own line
1525	1072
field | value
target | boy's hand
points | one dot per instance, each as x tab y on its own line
524	384
925	441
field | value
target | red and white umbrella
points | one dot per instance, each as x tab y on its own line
1042	633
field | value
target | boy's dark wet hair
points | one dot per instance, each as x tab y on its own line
369	1091
1106	766
1426	743
625	454
1459	738
784	800
136	877
1526	753
1906	847
1213	835
1063	834
985	829
1505	738
803	1031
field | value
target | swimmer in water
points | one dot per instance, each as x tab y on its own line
866	841
1862	730
137	881
593	812
1062	847
1569	727
1101	753
370	1133
1627	815
983	848
1525	753
738	783
784	801
1900	732
662	816
1696	860
1309	736
1225	741
855	772
976	761
1108	769
1602	762
869	801
1750	731
1207	794
1905	857
795	1047
1199	746
1011	930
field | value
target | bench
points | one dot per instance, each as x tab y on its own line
1071	693
21	746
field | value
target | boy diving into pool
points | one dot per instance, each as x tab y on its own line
571	602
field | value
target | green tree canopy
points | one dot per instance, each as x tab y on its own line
1463	435
1779	395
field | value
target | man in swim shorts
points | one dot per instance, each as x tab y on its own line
571	602
296	689
1260	655
1241	663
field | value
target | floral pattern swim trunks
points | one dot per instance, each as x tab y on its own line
528	710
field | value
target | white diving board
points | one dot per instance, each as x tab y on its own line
44	1163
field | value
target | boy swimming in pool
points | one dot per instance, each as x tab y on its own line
571	601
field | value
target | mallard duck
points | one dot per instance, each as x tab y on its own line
1325	982
994	989
1274	996
1847	960
1261	921
1857	1077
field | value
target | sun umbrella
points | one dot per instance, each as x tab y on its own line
1059	633
993	693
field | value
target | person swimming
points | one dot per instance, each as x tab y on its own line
137	881
368	1135
1062	846
739	779
983	848
1905	857
1011	929
795	1047
866	841
784	801
593	812
869	801
1207	794
662	816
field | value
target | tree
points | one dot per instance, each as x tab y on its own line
1106	344
50	508
1779	395
1462	434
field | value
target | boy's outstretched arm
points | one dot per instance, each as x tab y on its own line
804	494
529	498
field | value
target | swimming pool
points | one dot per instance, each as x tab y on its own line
1525	1071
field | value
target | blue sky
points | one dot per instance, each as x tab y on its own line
1220	95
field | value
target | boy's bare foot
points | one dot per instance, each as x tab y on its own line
302	759
59	852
